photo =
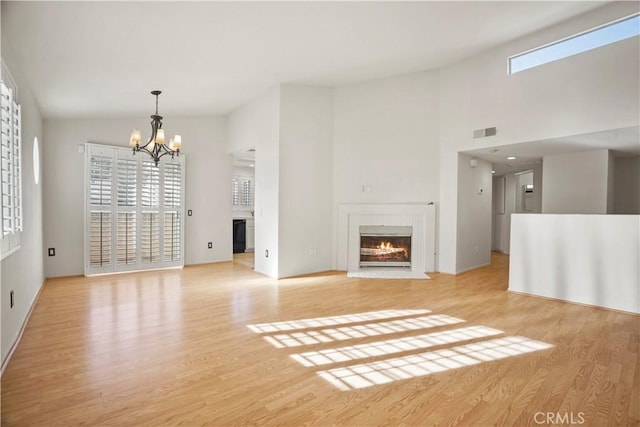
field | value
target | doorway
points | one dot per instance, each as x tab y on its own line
243	207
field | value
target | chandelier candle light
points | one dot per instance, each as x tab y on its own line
156	146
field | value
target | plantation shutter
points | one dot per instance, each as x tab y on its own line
235	192
10	170
100	210
242	192
247	193
150	220
135	211
17	166
126	234
7	165
172	206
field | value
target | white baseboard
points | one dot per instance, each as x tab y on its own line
5	362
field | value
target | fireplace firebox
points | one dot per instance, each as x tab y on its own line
385	246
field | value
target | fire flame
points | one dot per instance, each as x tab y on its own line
385	245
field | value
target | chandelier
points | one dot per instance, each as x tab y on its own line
156	146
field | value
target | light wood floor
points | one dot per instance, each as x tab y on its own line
174	347
245	258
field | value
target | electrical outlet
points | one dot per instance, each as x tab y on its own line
52	251
189	212
210	245
11	299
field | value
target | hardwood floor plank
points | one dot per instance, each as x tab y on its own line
175	348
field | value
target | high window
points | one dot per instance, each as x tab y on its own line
10	169
134	211
583	42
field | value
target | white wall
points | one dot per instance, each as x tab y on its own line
538	188
611	176
576	183
589	259
595	91
256	125
22	271
385	142
207	181
626	187
208	192
475	204
386	139
306	158
291	128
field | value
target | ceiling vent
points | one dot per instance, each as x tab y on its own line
483	133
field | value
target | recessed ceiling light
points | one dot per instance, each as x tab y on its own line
511	158
493	171
252	165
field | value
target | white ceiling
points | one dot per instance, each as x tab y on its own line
622	142
89	59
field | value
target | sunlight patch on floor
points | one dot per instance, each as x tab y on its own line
296	339
398	345
386	369
389	370
317	322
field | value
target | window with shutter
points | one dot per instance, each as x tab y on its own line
242	191
150	185
17	167
172	240
127	182
7	174
126	226
150	224
100	210
150	237
172	204
135	218
247	193
235	192
126	238
99	239
10	170
101	177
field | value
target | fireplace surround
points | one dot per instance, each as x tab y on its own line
417	216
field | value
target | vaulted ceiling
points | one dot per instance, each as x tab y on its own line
91	59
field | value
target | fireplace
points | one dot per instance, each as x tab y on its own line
385	246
